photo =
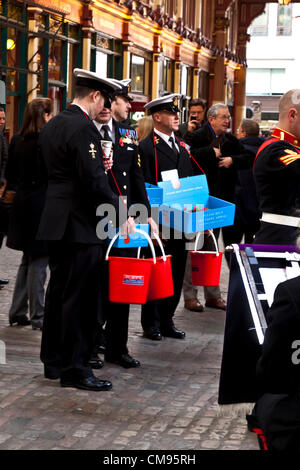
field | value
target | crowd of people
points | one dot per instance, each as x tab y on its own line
58	174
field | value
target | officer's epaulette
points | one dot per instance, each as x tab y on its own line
286	136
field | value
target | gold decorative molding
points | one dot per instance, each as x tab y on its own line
221	23
243	37
58	6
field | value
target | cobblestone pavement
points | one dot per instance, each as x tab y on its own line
169	403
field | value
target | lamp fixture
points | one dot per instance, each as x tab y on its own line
10	44
284	2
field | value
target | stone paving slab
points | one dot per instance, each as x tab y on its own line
170	403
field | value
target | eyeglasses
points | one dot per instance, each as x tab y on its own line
224	117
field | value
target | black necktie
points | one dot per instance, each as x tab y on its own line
105	129
174	148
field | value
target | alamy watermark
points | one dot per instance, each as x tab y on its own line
2	352
176	222
296	97
296	354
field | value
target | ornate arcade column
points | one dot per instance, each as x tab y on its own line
219	78
87	30
32	51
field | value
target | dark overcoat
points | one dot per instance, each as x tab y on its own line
26	173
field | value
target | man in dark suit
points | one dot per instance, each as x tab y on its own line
220	155
161	152
247	210
125	171
197	110
77	186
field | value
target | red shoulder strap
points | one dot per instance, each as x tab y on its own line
264	145
191	156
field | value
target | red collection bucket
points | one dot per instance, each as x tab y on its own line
161	279
206	265
129	278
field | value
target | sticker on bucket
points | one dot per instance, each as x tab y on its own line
131	280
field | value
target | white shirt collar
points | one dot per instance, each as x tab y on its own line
166	138
100	124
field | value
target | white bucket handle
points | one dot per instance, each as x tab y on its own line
214	239
160	246
138	231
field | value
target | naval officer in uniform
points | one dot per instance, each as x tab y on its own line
124	175
159	152
77	185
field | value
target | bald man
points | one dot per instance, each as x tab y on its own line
277	176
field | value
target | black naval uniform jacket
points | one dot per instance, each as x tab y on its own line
127	167
166	159
77	182
221	181
276	173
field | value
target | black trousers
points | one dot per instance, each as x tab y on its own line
159	314
72	304
235	233
117	316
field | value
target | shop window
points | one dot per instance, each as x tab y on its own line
73	32
74	59
101	64
284	20
13	55
186	80
56	94
203	85
166	82
14	11
137	73
41	66
72	64
106	57
55	60
259	26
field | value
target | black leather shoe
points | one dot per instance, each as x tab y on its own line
95	362
37	325
3	282
51	373
172	332
125	361
153	334
22	321
91	383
